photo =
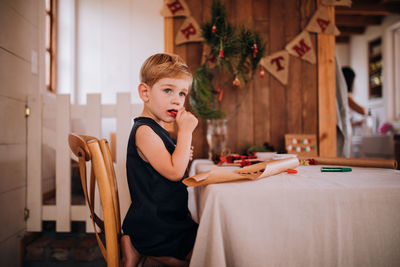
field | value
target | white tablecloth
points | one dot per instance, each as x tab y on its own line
304	219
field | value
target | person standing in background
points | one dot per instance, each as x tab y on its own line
349	76
345	103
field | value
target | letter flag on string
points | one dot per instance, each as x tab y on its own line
301	46
175	8
278	65
321	22
337	2
189	32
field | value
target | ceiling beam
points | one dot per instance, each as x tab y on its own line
357	20
342	39
363	9
349	30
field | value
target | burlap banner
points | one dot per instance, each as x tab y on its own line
337	2
175	8
321	22
189	32
278	65
301	46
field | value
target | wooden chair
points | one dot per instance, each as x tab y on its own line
88	148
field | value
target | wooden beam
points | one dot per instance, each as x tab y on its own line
342	39
348	30
392	5
357	20
327	93
363	9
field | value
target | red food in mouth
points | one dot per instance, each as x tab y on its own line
173	112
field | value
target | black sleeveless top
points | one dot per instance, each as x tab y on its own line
158	220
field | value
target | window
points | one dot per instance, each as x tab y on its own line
50	56
375	68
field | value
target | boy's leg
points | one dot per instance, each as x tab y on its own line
189	255
131	256
167	261
164	261
151	262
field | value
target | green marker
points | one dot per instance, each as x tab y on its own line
335	169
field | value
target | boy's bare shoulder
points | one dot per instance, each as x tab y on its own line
145	133
144	130
151	147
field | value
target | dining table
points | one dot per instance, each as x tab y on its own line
309	218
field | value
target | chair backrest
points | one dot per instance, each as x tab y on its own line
88	148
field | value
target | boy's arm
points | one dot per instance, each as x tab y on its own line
152	147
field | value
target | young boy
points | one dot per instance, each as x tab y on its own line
158	223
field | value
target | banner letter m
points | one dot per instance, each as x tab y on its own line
302	49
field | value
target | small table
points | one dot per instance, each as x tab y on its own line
306	219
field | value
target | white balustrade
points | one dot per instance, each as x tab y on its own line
62	112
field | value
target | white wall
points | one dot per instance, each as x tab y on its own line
342	51
113	38
359	62
102	45
391	77
19	58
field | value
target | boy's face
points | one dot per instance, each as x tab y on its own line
164	99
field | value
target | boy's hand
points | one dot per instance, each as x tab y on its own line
186	121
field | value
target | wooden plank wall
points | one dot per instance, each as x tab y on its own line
270	109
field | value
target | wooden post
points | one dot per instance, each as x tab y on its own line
34	165
169	35
327	93
63	165
169	43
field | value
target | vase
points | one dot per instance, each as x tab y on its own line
216	138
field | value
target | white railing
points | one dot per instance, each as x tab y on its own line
59	109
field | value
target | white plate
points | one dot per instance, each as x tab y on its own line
284	156
265	155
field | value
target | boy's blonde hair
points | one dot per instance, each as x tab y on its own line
163	65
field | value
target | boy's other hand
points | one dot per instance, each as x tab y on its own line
186	121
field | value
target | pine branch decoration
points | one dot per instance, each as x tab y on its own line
235	53
202	99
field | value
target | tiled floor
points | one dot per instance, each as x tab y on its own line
76	249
